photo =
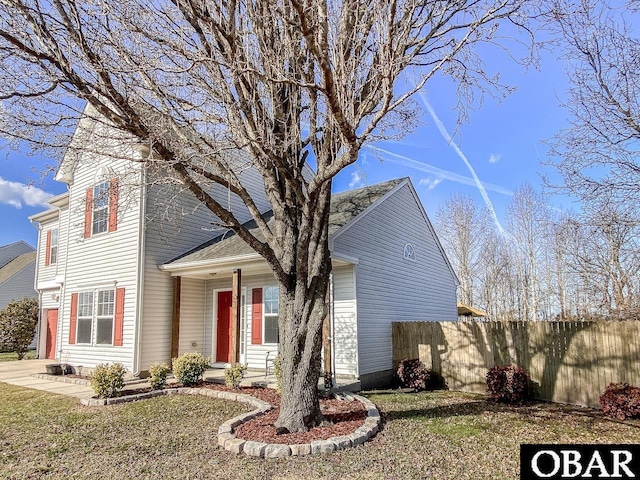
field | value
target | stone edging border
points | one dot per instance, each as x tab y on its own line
231	443
228	440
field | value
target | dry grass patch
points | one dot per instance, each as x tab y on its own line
441	435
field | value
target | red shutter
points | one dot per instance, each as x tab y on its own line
113	205
47	254
256	316
88	210
119	318
74	318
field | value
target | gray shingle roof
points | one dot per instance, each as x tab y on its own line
16	265
345	206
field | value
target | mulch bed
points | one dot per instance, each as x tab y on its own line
340	418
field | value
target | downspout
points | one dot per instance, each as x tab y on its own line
137	340
332	329
63	287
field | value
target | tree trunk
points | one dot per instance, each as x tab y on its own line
301	318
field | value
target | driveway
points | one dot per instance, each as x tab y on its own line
20	373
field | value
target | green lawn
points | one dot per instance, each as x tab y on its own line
10	356
428	435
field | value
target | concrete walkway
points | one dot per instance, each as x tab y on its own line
20	373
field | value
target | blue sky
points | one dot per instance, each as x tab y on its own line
502	142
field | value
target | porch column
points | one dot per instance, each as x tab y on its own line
175	317
235	315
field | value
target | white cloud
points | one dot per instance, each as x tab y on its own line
494	158
430	183
356	180
19	194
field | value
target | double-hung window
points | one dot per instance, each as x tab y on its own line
271	315
85	317
51	248
101	208
95	317
100	217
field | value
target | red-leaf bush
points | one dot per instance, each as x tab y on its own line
621	400
413	374
508	384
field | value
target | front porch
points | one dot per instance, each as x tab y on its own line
256	378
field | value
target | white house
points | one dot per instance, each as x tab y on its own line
120	283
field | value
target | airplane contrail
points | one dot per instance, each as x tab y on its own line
445	134
439	172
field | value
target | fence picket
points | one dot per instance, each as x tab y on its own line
572	362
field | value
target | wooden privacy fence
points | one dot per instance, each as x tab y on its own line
569	362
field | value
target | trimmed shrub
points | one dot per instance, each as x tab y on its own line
508	384
189	367
277	371
107	381
234	374
18	322
413	374
158	375
621	400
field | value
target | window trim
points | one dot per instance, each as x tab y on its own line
53	257
105	196
95	292
265	315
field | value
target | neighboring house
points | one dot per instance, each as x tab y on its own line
117	286
17	274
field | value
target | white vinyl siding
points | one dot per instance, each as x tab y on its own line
189	225
49	273
390	288
101	262
165	240
192	316
345	328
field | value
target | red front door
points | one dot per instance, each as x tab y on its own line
223	350
52	331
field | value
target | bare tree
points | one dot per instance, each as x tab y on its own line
462	226
528	221
288	81
598	154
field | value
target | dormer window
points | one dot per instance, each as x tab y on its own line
101	208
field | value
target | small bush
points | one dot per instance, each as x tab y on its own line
621	400
234	374
189	367
158	375
508	384
413	374
277	371
18	322
107	381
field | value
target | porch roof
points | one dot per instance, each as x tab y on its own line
229	248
